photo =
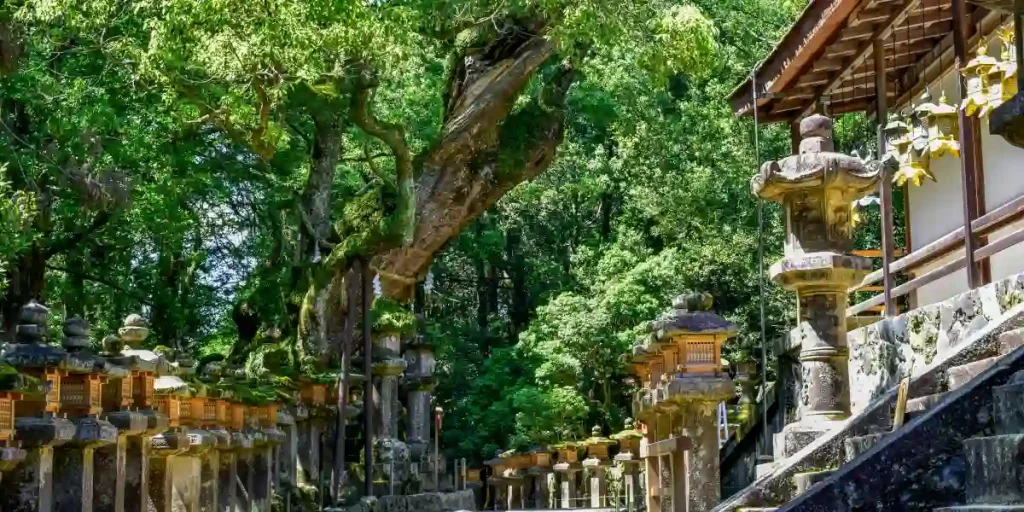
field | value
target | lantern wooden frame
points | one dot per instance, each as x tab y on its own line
223	413
268	415
237	416
143	389
8	413
700	353
82	394
313	394
170	406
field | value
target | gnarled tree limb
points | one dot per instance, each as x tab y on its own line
393	135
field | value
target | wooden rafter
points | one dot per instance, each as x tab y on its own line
881	32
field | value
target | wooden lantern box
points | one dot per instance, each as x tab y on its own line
82	394
142	389
117	394
7	415
540	459
222	416
237	416
33	405
700	353
598	451
170	406
313	394
268	415
568	454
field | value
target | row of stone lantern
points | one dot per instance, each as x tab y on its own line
556	478
682	381
130	429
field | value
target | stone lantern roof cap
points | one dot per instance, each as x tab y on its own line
690	315
169	385
818	166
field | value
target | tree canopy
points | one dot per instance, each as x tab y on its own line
557	170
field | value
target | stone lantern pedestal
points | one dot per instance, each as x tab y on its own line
817	188
629	463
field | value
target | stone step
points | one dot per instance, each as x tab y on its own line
957	376
1010	341
857	445
994	470
982	508
804	481
1008	407
758	509
921	404
763	469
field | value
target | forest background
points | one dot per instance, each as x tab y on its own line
555	170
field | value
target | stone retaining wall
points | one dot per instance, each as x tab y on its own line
883	353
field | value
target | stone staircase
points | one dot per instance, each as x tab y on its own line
857	468
961	443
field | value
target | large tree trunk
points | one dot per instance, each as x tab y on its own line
321	318
483	151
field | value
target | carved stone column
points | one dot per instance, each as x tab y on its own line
419	383
391	454
817	188
163	449
29	487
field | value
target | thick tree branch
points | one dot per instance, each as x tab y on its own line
393	135
484	150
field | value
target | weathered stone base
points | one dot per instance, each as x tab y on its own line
429	502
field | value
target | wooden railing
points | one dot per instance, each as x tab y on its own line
982	226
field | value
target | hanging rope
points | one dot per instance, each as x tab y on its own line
760	263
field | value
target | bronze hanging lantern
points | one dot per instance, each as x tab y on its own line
943	126
977	75
1008	66
1008	120
921	118
913	164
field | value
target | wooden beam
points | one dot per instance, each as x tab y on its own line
833	64
885	187
799	46
968	145
879	33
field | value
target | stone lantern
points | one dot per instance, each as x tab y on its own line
597	463
628	459
688	399
566	469
816	188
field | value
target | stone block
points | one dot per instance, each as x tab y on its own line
921	404
1010	341
1008	407
429	502
994	470
805	481
957	376
959	317
857	445
880	357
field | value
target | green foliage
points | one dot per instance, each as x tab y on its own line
391	317
539	303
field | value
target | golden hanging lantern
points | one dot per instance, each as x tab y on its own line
1008	67
943	129
976	73
921	119
913	165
